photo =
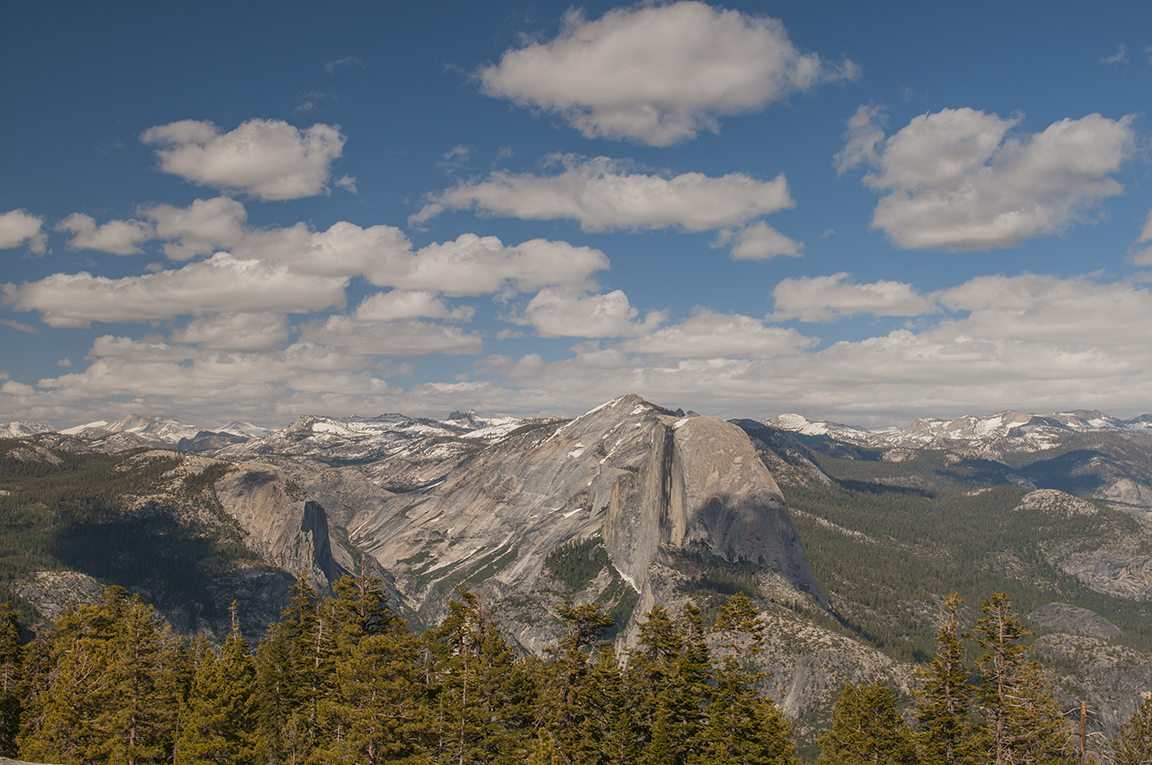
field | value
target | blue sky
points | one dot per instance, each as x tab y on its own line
865	212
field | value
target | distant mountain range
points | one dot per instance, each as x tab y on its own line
846	538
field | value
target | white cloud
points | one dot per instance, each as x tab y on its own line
863	135
203	227
1047	309
709	335
468	265
602	195
760	242
526	367
409	304
562	313
1120	56
231	331
119	237
143	349
18	227
657	74
826	298
266	159
1138	256
221	283
354	337
473	265
19	326
960	180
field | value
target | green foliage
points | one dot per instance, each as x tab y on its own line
89	513
104	686
1023	722
1133	743
888	539
946	732
575	564
867	728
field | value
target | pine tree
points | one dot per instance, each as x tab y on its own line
741	627
651	666
374	714
562	707
104	686
946	733
1023	722
219	717
741	726
866	729
290	674
1133	742
11	668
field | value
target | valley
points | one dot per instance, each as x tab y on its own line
847	540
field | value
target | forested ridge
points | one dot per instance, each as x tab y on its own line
341	679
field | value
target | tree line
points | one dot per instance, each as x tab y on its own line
341	679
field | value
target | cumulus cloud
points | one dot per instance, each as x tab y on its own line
199	229
708	335
230	331
266	159
221	283
409	304
760	242
467	265
18	227
601	194
658	74
1042	308
562	313
352	336
959	179
119	237
474	265
826	298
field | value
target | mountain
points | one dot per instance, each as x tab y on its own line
847	539
635	498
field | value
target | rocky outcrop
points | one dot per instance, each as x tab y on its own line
1078	621
282	523
628	473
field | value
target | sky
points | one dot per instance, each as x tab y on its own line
861	212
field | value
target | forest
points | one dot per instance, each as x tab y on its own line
342	679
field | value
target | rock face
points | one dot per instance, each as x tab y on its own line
629	474
1073	619
283	524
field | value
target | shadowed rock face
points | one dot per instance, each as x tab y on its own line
627	472
282	525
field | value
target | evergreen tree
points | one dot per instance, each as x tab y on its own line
741	627
104	686
1023	722
11	687
946	734
219	721
563	700
291	664
651	666
867	729
742	727
374	714
479	694
1133	742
